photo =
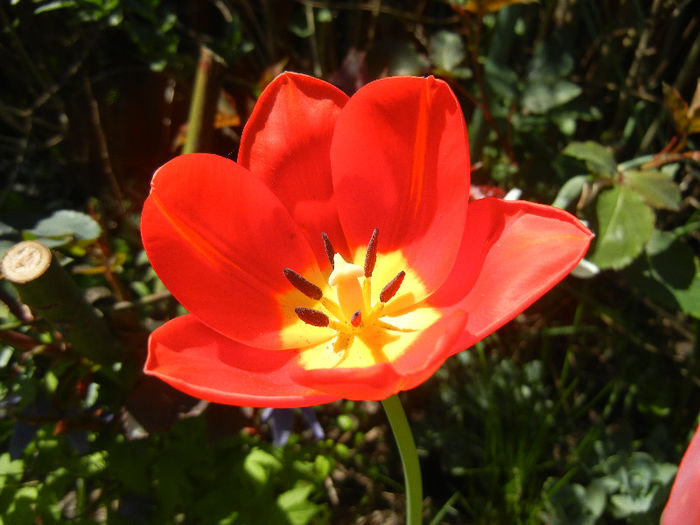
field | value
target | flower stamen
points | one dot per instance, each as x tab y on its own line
330	252
354	314
390	289
312	317
370	261
308	288
371	255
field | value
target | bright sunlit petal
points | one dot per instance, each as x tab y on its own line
511	254
400	163
219	240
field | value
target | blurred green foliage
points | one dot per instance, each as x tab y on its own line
576	412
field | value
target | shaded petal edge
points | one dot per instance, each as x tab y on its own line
286	142
202	363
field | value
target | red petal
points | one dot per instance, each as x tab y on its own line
682	505
400	163
384	379
202	363
220	240
511	254
287	142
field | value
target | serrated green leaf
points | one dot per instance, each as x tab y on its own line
570	191
447	50
656	187
625	224
596	156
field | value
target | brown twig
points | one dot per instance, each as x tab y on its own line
482	106
102	142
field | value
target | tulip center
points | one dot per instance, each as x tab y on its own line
353	315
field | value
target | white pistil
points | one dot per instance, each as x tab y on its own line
345	277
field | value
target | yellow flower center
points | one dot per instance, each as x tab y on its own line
353	315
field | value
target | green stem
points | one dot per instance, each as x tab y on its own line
409	458
45	286
205	98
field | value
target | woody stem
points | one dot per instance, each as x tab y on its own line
409	458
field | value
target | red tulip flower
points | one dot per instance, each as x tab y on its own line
683	505
337	258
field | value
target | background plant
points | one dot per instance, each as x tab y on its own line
577	410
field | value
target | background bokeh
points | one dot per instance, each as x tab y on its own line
577	412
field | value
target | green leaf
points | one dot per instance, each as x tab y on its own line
625	224
94	463
22	508
501	79
401	58
52	6
595	498
596	156
296	505
541	94
447	50
346	422
260	465
656	187
625	505
51	381
324	15
672	264
10	470
322	466
6	229
64	226
570	191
